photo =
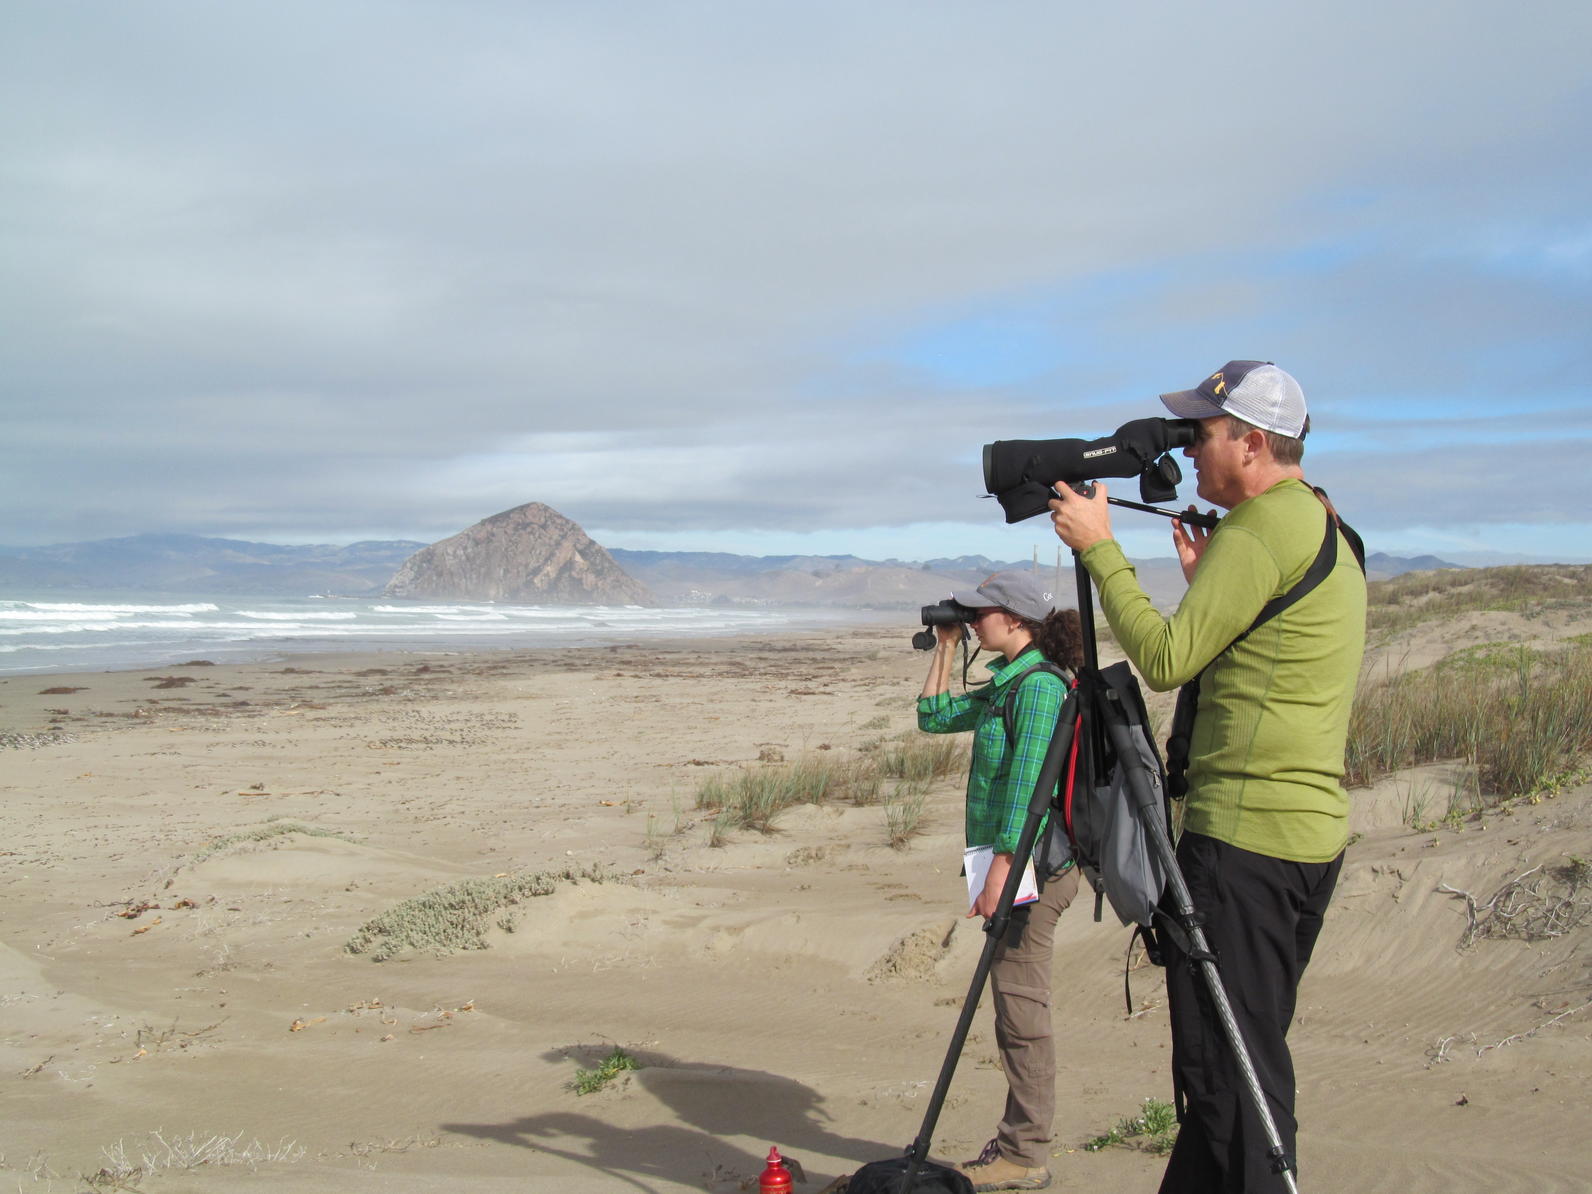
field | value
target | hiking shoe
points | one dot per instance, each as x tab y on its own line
991	1171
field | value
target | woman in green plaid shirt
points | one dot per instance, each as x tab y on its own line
1016	619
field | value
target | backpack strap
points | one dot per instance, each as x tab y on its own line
1356	544
1052	853
1320	568
1008	699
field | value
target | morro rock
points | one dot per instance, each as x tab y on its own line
530	554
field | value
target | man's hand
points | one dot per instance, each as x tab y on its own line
1189	539
1080	522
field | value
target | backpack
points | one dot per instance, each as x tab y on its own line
1093	822
1118	800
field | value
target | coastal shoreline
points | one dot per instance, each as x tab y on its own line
51	633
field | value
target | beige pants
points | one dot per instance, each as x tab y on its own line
1020	977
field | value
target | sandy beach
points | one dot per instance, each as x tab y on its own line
171	964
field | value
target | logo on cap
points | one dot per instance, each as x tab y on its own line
1220	388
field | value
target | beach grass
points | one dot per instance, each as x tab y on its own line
903	816
921	759
754	798
1404	601
1521	717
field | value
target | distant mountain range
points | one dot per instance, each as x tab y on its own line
1380	566
195	564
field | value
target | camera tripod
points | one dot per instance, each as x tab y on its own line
1104	716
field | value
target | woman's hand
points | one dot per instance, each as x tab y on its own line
994	883
943	659
1189	539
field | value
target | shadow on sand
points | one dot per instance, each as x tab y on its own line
713	1104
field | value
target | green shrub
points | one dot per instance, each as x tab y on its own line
1153	1130
592	1080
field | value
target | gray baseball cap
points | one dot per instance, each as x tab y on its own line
1256	391
1022	593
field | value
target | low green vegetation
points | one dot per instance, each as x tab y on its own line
457	917
1404	601
757	797
261	833
605	1071
1152	1130
922	758
903	814
753	799
1521	717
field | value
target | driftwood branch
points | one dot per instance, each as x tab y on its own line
1536	905
1521	1036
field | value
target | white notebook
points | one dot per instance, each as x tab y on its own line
976	863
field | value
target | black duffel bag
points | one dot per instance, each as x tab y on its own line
884	1177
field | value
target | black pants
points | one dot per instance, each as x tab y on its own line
1262	916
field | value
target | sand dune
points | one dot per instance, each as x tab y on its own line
795	988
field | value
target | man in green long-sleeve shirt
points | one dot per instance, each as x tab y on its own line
1266	819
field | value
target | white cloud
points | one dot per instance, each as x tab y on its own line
402	265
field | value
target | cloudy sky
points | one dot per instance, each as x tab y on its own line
763	277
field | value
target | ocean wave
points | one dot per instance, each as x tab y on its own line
426	609
268	616
34	616
96	645
197	607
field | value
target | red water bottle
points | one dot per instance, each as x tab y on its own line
776	1178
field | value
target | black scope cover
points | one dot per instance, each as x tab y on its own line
1020	472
